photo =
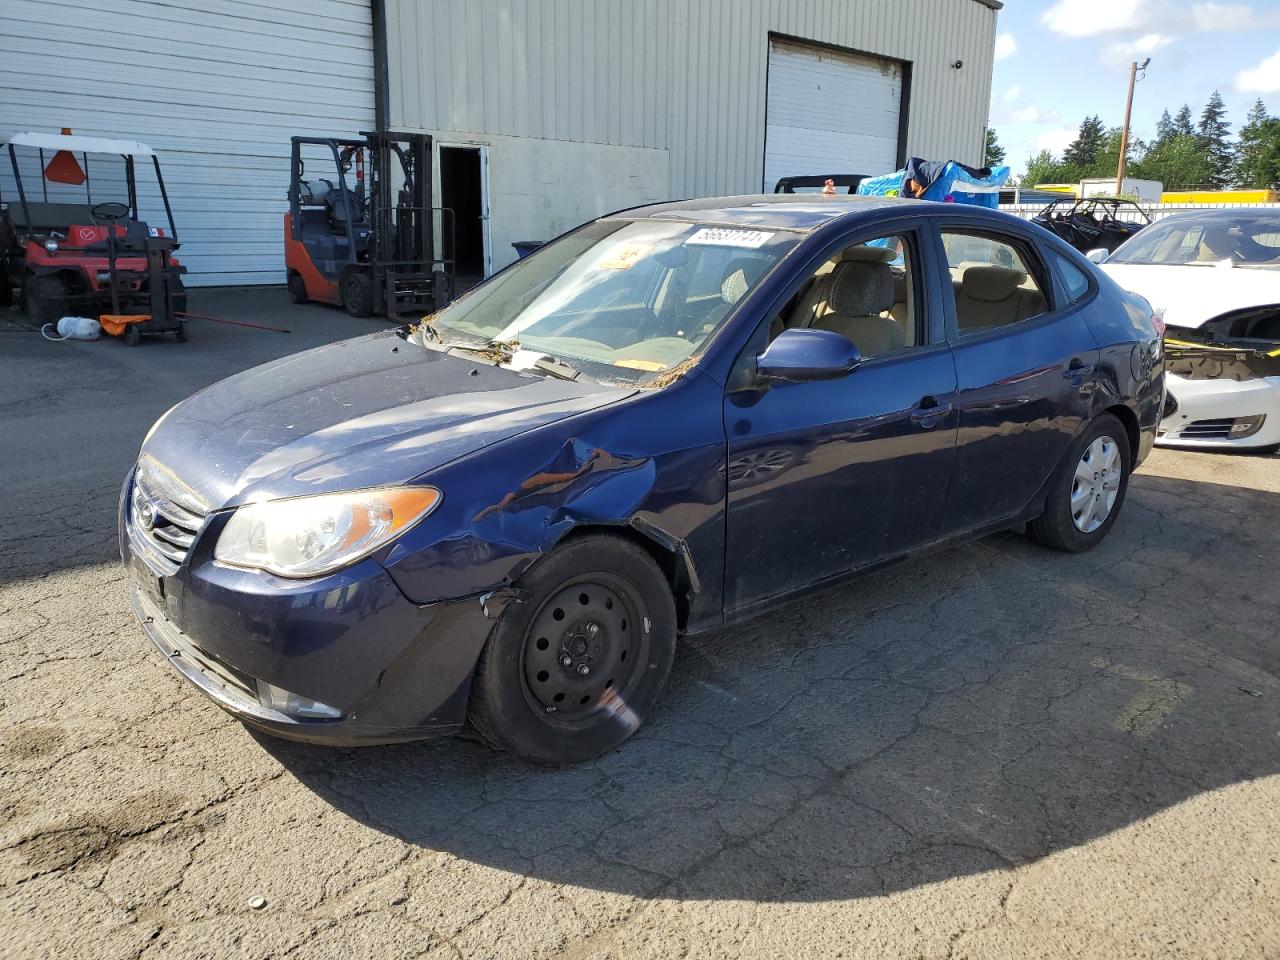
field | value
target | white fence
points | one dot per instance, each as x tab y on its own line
1155	211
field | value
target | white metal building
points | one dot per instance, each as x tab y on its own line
544	112
583	107
216	87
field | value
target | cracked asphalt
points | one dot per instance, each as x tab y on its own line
991	751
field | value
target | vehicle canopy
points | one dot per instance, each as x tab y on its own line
57	191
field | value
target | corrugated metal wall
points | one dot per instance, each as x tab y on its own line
688	76
217	87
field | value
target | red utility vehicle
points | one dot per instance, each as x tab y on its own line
75	243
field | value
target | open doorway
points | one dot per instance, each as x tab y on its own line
462	190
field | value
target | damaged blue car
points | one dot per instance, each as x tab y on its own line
668	419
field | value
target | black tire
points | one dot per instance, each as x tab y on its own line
297	288
6	288
44	299
615	602
357	293
1057	527
132	335
181	332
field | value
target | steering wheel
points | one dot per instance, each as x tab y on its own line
111	211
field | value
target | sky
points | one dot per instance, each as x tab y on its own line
1058	61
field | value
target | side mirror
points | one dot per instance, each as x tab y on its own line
805	354
1098	255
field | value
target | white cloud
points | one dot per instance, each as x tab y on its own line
1264	78
1006	46
1055	141
1013	94
1146	44
1031	113
1164	18
1225	16
1091	18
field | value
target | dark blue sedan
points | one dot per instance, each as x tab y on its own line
667	420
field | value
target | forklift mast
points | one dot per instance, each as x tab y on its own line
388	223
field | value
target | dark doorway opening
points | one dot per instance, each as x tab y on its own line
461	191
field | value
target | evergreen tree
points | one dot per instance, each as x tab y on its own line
1164	128
1044	167
1179	163
1182	122
995	152
1212	135
1089	142
1258	156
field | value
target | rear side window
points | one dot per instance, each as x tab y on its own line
1073	278
993	282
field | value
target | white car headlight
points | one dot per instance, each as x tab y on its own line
311	536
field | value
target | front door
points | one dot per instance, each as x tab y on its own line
1024	378
825	477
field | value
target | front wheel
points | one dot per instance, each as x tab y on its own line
297	288
575	665
1088	490
357	293
44	299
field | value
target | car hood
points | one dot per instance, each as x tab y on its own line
365	412
1192	296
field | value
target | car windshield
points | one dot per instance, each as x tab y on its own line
617	299
1247	239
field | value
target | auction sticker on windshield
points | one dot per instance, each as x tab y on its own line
719	237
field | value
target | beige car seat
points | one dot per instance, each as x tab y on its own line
860	297
991	296
816	301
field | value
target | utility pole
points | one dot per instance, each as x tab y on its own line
1128	113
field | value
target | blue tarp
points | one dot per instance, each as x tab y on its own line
949	182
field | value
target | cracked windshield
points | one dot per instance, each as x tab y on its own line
623	300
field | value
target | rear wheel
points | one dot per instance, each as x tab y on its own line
297	288
6	291
572	669
1088	490
181	332
132	335
44	299
357	294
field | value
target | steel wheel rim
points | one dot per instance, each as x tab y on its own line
556	650
1096	484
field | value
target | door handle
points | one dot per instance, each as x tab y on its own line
1078	368
930	408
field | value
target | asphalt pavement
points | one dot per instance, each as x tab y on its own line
990	751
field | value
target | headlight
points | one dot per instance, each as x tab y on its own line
310	536
51	246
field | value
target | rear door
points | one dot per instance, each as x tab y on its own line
825	477
1025	362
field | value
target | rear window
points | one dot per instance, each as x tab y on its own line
1073	278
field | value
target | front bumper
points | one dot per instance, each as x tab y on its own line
1204	404
395	670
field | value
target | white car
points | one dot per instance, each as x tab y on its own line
1215	274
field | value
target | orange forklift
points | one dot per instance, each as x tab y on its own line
365	241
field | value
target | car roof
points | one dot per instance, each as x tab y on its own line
790	211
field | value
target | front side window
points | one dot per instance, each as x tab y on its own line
992	281
619	299
865	292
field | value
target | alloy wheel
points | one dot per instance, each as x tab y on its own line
1096	484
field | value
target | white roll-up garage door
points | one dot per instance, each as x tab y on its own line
217	88
829	111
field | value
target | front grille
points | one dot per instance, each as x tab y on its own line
1208	429
166	527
